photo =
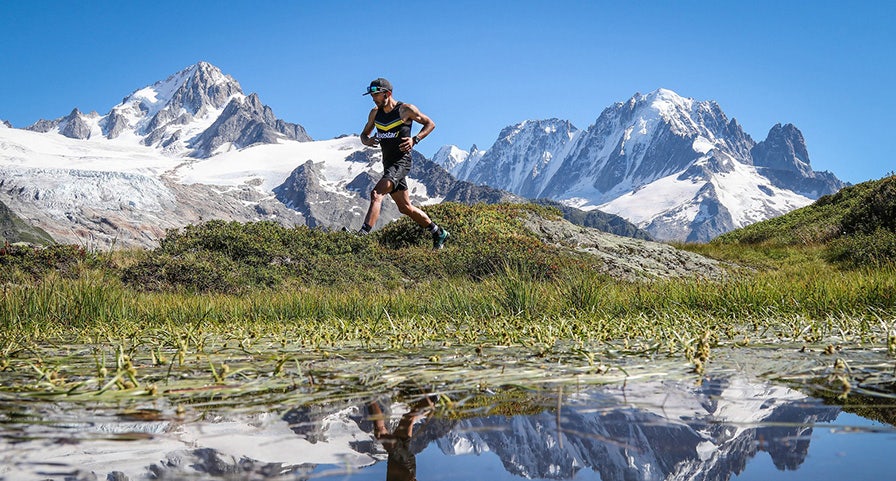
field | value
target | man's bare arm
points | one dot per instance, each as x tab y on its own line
368	128
411	112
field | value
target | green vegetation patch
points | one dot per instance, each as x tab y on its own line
220	256
856	226
485	240
14	229
23	263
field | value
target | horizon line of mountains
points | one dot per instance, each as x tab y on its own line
676	168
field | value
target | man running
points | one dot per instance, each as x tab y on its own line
393	121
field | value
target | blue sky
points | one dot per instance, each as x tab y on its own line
476	67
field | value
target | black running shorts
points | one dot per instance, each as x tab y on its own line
397	172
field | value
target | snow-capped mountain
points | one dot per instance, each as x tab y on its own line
673	166
193	112
190	148
521	161
456	161
194	147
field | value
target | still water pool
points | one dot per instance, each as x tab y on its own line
753	415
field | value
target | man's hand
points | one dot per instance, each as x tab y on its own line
370	141
407	144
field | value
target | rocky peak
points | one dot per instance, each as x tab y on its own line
191	93
635	143
783	158
642	153
191	113
524	157
783	149
197	87
73	126
684	116
244	122
43	125
664	99
5	123
204	87
450	157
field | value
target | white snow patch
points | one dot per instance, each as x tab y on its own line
642	205
39	150
270	164
264	437
702	145
750	198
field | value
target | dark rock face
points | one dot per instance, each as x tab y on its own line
612	224
114	124
207	87
245	123
437	180
783	149
43	126
469	193
784	159
74	126
303	192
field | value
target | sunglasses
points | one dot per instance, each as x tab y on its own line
376	90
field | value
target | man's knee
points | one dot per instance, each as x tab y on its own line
376	196
406	209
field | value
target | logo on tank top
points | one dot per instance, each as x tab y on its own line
391	125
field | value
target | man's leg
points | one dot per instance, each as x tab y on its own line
403	201
383	187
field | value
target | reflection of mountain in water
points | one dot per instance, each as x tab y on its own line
650	431
706	432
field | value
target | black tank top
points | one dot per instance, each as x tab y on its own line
390	129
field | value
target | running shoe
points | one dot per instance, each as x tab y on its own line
439	238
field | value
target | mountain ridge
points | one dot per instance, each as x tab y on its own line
205	150
195	111
191	148
674	166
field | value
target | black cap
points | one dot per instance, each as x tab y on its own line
378	85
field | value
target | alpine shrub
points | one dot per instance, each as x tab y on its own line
36	262
876	249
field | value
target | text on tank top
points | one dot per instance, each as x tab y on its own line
390	129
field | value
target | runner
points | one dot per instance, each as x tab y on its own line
393	121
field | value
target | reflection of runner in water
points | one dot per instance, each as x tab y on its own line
401	465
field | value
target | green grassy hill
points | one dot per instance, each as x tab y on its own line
856	226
